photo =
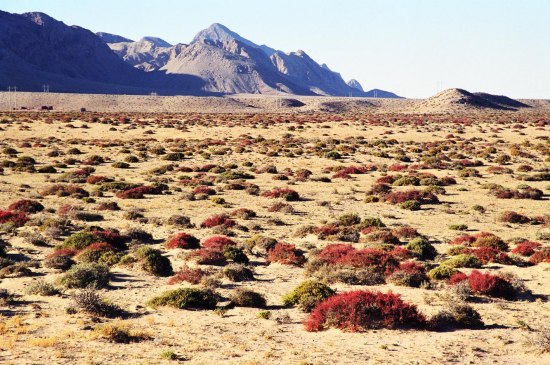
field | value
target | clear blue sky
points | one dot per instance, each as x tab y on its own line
411	47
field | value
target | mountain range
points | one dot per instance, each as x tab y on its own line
36	49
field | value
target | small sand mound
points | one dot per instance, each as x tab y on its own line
345	106
291	103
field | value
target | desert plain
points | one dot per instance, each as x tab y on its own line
251	194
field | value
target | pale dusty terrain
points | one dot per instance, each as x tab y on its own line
239	336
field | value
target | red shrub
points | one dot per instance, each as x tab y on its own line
218	242
542	255
491	285
183	240
363	309
94	179
489	254
370	258
386	180
526	248
286	254
412	267
210	256
458	278
382	236
217	220
397	167
111	237
513	217
204	190
97	246
26	206
16	218
405	232
401	253
465	240
325	231
285	193
347	255
137	192
243	213
332	253
423	197
62	252
189	275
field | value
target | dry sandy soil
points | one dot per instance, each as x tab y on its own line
467	147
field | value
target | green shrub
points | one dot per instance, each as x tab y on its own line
371	222
120	165
238	272
79	240
185	298
153	262
248	298
349	219
307	295
456	316
235	254
264	314
442	272
423	248
411	205
458	227
42	288
462	260
86	276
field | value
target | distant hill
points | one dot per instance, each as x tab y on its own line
460	99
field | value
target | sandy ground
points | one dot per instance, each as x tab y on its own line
37	329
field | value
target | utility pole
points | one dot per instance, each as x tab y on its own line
15	97
9	97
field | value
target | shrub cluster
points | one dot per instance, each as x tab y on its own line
361	310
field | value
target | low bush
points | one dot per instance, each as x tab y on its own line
18	219
218	220
422	248
442	272
87	275
184	241
485	239
513	217
284	193
362	310
188	274
235	254
89	301
185	298
41	288
491	285
542	255
462	260
287	254
410	274
120	331
26	206
153	262
420	196
238	272
247	298
210	256
526	248
243	213
457	316
307	295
